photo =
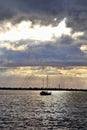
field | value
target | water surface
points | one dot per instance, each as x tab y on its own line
27	110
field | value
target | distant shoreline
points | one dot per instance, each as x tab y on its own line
49	89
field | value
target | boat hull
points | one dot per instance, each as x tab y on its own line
44	93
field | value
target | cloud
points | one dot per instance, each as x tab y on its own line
45	11
62	52
83	48
24	31
72	77
43	32
45	7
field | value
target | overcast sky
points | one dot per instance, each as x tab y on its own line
43	32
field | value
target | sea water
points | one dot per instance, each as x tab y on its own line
28	110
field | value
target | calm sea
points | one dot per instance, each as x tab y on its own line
27	110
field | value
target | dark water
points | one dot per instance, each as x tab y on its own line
27	110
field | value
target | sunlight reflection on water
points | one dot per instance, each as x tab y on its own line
27	110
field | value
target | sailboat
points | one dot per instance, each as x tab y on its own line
45	92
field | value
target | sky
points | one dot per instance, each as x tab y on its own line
33	76
43	33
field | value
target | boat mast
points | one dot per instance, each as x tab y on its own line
43	82
47	81
59	85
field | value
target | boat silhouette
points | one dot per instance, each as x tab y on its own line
45	92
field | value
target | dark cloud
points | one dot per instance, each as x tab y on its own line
45	54
65	50
65	39
46	10
33	8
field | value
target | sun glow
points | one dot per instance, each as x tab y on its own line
51	71
26	30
